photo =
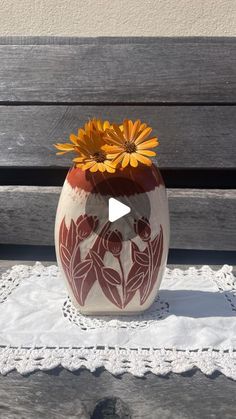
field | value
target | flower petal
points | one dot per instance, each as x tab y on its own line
109	166
147	153
143	135
61	152
125	160
79	159
81	133
113	138
143	159
126	129
110	169
65	147
118	158
74	139
153	142
133	160
111	156
88	165
130	127
112	148
94	168
106	125
99	124
118	133
135	129
142	127
101	167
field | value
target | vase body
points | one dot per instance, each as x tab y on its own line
112	267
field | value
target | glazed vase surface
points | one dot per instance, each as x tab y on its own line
112	267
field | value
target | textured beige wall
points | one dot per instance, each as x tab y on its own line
118	17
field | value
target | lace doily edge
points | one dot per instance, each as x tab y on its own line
117	360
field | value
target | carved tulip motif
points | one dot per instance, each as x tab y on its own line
113	242
85	225
143	229
118	288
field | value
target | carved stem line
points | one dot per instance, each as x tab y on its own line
122	282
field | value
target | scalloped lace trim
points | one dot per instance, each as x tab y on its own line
156	312
12	278
119	360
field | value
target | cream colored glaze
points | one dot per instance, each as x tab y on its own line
71	205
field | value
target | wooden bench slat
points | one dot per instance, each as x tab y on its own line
200	219
190	136
121	70
60	394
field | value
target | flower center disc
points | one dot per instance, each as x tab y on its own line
130	147
99	156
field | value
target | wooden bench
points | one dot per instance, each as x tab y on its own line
186	89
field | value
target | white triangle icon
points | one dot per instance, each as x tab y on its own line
117	210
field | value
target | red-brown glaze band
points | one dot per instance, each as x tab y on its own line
124	182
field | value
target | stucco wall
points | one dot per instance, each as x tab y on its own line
118	17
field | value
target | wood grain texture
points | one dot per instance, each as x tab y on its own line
200	219
60	394
120	70
190	136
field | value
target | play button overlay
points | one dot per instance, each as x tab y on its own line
117	210
118	203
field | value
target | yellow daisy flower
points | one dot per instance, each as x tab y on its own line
92	125
129	143
92	156
98	125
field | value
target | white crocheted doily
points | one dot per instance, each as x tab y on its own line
192	324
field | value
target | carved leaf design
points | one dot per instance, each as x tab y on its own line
84	285
71	237
63	232
83	274
157	251
111	293
65	255
134	248
157	248
135	282
96	258
111	276
98	245
136	269
82	268
109	289
141	258
75	256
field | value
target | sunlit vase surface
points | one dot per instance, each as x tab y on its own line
106	272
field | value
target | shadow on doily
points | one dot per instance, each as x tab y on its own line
199	304
185	303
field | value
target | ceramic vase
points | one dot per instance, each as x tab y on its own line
112	268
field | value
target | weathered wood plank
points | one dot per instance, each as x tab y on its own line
121	70
200	219
190	136
60	394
